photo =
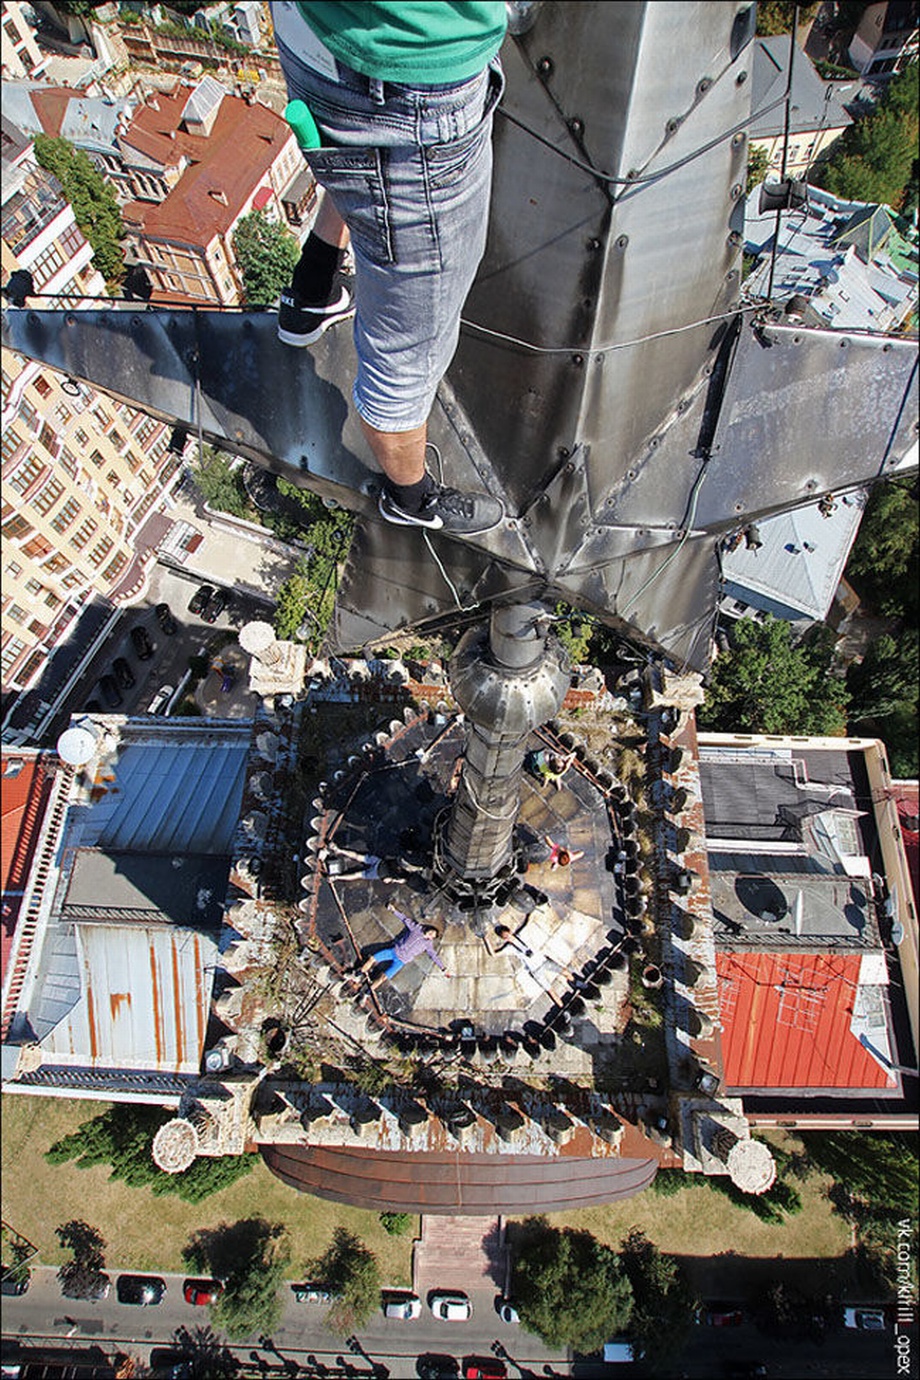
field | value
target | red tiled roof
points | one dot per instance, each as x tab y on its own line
230	164
786	1022
23	800
50	105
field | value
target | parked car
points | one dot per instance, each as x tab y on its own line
720	1315
110	691
165	619
15	1286
506	1310
144	1290
484	1368
99	1290
311	1293
160	699
123	673
403	1306
864	1319
433	1366
216	605
202	1291
143	647
450	1306
199	600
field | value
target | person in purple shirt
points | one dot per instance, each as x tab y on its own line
415	940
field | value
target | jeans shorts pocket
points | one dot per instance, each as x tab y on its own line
356	179
450	162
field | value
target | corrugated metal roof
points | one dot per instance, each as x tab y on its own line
456	1182
178	796
787	1022
801	560
144	1000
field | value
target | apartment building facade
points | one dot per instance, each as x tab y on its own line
886	39
20	55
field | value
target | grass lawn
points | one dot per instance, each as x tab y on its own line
144	1232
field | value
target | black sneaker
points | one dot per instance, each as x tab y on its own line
299	325
447	510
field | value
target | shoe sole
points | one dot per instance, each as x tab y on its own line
298	339
436	526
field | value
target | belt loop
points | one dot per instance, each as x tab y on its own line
375	91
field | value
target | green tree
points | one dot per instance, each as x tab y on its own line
250	1257
884	564
396	1223
575	633
758	164
348	1270
875	159
765	684
776	16
310	591
663	1301
220	484
569	1287
122	1138
266	254
887	677
94	204
82	1276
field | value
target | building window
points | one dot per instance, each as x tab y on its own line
115	567
68	463
72	580
51	599
41	385
27	474
83	534
81	437
63	413
112	479
16	526
50	439
13	570
12	651
97	458
11	443
100	551
56	564
71	509
33	586
17	614
47	496
29	415
37	547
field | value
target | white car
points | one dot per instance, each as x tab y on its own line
506	1311
403	1306
160	700
865	1319
450	1307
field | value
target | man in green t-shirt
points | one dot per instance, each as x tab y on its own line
402	98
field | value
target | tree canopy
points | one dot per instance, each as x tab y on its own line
348	1270
82	1275
220	484
122	1138
251	1257
570	1288
93	201
875	159
310	591
766	684
886	678
884	564
265	254
776	16
663	1301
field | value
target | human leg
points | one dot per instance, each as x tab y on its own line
315	300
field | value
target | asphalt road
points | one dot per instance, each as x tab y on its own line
42	1313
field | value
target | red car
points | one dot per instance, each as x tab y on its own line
722	1316
484	1368
202	1291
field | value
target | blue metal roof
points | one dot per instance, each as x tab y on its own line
180	795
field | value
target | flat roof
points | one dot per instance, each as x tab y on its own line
184	888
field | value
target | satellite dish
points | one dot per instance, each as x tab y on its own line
78	744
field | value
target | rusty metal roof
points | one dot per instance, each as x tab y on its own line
456	1182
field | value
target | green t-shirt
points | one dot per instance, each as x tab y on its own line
429	42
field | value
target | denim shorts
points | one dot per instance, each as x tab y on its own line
409	169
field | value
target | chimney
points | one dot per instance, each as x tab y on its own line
218	195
